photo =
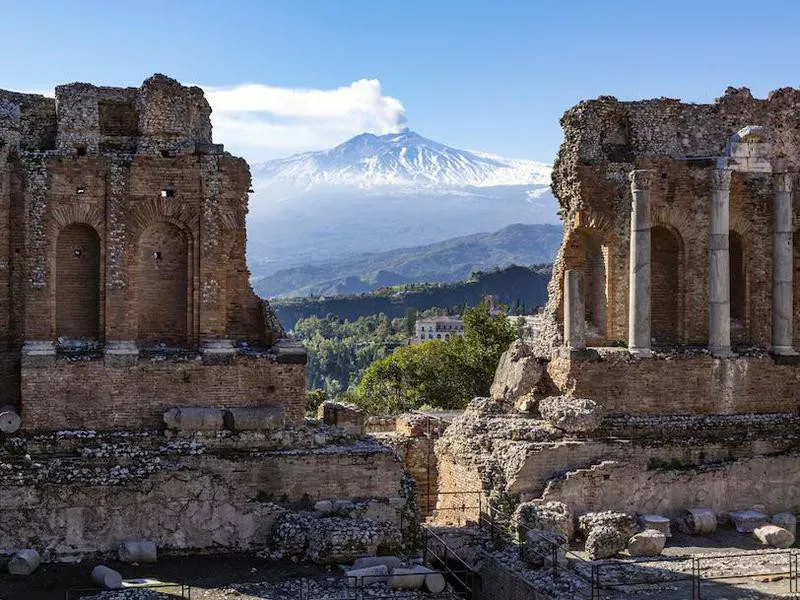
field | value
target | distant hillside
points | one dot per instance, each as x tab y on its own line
448	261
515	284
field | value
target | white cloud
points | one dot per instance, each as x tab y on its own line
261	122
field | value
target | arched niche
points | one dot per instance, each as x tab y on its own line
77	279
666	289
585	252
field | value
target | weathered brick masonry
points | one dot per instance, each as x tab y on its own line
122	228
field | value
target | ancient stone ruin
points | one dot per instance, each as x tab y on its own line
664	383
150	397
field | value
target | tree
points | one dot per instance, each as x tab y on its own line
444	374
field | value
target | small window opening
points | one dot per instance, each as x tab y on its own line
81	150
166	153
17	250
168	193
156	255
80	189
77	252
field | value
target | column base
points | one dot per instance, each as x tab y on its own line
783	351
120	354
641	352
217	352
38	354
721	351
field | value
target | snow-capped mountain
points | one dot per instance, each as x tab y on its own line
398	159
381	192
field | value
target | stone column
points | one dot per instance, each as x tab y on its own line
574	311
719	335
782	266
639	281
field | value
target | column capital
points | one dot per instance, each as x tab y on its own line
640	179
721	179
784	182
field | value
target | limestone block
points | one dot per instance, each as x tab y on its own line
539	548
657	522
390	562
554	517
622	522
772	535
107	578
24	562
138	551
367	575
746	521
786	520
518	372
573	415
261	418
9	419
413	425
324	507
343	415
698	521
649	542
195	418
604	542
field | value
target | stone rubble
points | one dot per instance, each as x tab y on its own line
649	542
772	535
553	517
622	522
604	541
573	415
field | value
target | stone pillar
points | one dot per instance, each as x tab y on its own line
639	280
719	335
782	266
574	311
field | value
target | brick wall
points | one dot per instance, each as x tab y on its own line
681	385
78	288
87	395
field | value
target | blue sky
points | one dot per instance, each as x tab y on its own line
492	75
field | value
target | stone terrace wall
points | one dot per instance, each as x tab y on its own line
680	386
604	139
86	394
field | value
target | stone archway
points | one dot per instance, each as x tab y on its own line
586	253
78	282
163	284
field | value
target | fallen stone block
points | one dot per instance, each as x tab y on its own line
324	507
24	562
344	415
649	542
623	522
746	521
138	551
573	415
107	578
259	418
657	522
195	418
367	575
518	372
786	520
604	542
9	419
555	517
698	521
772	535
390	562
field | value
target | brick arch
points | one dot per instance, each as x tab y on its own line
586	250
158	210
68	214
78	282
666	285
164	284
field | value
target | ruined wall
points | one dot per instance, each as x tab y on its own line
604	139
184	493
135	170
681	385
78	394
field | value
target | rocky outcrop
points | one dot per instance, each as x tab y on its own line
573	415
518	375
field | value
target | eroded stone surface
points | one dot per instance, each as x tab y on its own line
573	415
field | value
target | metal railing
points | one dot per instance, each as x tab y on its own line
170	591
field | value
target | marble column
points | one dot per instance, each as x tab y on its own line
719	334
574	311
639	280
782	266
